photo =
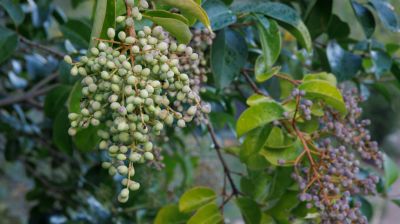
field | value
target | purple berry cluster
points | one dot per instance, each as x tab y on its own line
331	184
304	104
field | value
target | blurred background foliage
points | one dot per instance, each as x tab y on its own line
45	179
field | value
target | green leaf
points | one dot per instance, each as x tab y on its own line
396	201
258	115
228	56
257	98
391	171
208	214
14	10
190	7
220	15
170	214
338	29
364	17
77	31
344	65
173	23
8	43
104	18
61	137
195	198
324	90
252	145
166	14
250	210
387	14
86	139
262	71
318	17
274	156
366	208
278	140
74	99
382	62
331	79
270	39
285	16
281	211
55	100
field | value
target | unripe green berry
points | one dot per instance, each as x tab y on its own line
181	123
106	165
148	146
120	19
134	157
112	171
134	186
149	156
121	157
130	40
124	193
72	131
74	71
121	35
111	33
122	169
68	59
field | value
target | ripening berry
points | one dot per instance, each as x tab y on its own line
149	156
129	22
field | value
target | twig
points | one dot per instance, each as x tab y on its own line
131	29
36	90
217	148
252	84
41	47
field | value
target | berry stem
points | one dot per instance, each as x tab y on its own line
130	29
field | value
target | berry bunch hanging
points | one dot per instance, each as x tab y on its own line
332	177
134	85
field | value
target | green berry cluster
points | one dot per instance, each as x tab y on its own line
134	87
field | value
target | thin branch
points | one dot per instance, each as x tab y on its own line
35	91
252	84
41	47
130	29
217	148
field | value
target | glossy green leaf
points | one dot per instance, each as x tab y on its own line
277	139
166	14
77	31
190	7
208	214
338	29
252	145
366	208
331	79
318	17
382	62
254	186
8	43
250	210
344	65
321	89
283	14
14	10
61	137
270	38
257	98
196	197
364	17
74	99
396	201
386	14
391	171
228	56
257	116
220	15
104	18
176	27
274	156
86	139
170	214
55	100
262	71
281	211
